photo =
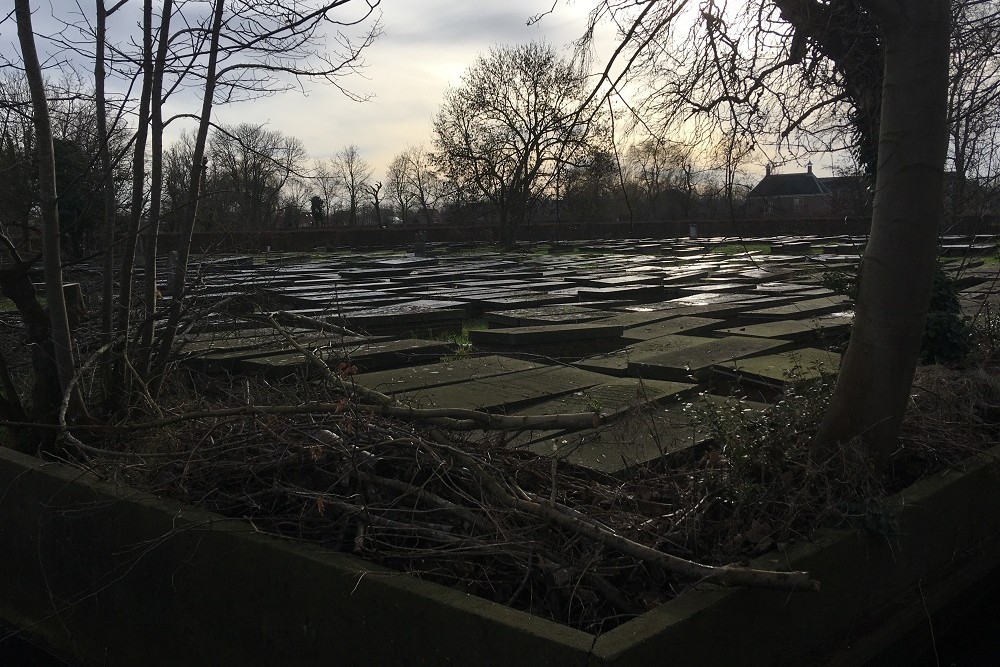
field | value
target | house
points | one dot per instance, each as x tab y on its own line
799	195
850	195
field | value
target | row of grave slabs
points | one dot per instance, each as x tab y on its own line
634	332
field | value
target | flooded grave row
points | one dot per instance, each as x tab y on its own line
632	332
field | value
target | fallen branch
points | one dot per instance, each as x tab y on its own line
305	322
452	418
565	517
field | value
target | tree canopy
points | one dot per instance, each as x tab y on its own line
513	121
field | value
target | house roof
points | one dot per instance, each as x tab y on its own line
788	185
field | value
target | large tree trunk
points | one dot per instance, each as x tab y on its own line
897	270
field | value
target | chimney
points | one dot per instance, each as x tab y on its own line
767	169
809	167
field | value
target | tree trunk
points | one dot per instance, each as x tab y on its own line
191	212
51	253
107	177
897	270
119	385
155	189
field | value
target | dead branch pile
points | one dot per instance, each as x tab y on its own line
576	546
507	525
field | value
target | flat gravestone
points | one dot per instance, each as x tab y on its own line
567	313
637	292
524	300
696	361
777	370
801	309
505	391
611	399
229	356
687	324
525	337
639	439
617	362
827	327
409	316
460	368
368	356
622	281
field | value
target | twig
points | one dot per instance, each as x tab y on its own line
567	518
461	417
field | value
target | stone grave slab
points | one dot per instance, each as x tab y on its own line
685	324
229	359
505	391
611	399
431	314
523	300
719	287
524	337
568	313
709	298
366	273
459	368
677	278
638	318
233	339
696	361
617	362
617	280
636	439
802	309
777	370
816	328
366	356
769	274
639	292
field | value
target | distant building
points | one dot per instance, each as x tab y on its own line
787	195
849	195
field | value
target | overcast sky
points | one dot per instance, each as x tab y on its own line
426	45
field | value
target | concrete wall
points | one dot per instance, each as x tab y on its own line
113	578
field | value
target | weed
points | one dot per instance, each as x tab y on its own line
948	336
840	282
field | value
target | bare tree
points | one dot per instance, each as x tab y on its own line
422	180
973	100
785	67
19	181
375	192
250	167
660	171
352	172
515	116
325	180
398	189
61	338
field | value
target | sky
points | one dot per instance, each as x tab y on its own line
425	47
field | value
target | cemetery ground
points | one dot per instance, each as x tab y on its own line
580	431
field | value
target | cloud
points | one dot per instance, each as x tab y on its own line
426	47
